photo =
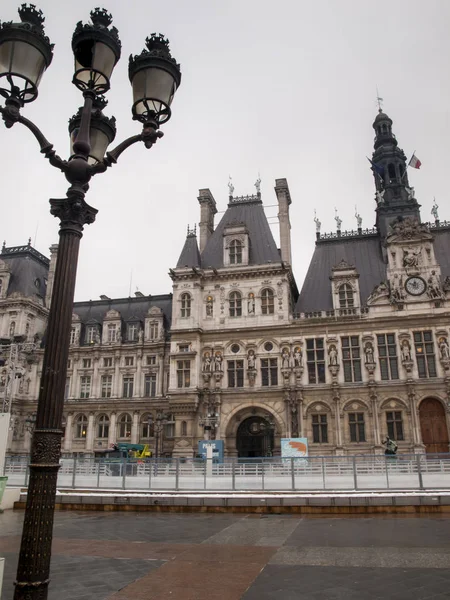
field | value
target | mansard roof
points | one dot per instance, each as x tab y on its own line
129	308
29	270
248	211
190	255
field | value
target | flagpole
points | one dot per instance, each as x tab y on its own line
407	165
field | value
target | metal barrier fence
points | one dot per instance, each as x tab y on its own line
315	473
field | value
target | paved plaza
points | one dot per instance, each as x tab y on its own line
151	556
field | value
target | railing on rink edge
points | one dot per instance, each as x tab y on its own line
314	473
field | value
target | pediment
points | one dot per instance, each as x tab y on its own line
112	314
154	311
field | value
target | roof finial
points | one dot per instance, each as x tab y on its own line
317	222
29	242
379	102
337	219
434	210
258	184
358	218
230	187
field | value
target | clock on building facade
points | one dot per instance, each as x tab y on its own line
415	286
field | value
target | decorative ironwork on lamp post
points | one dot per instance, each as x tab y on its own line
158	423
25	53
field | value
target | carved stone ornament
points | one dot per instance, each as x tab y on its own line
251	374
408	228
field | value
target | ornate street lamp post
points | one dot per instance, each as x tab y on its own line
158	423
25	53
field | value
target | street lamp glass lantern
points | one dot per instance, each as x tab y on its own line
101	133
25	53
155	76
96	49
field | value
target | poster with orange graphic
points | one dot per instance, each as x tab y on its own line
294	447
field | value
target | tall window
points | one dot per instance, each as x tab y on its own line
12	329
235	373
185	306
235	252
129	361
183	373
124	426
128	383
154	330
387	352
151	360
147	429
112	332
269	371
73	335
90	334
87	363
108	361
426	362
320	429
67	388
106	386
346	298
150	385
235	304
81	426
315	359
103	426
394	423
85	386
351	358
132	332
267	303
357	427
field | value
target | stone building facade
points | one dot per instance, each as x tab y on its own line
238	354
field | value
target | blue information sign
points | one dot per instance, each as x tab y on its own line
217	446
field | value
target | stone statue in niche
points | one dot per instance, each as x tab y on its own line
218	362
406	351
444	348
434	288
207	363
251	304
368	351
397	292
251	360
285	359
333	355
298	357
411	259
209	306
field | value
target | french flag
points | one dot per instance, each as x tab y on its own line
415	162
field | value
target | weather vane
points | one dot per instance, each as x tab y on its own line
379	102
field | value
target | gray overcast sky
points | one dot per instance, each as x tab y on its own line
287	89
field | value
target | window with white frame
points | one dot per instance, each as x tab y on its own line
267	302
108	361
112	332
426	361
81	426
315	360
87	363
103	426
387	352
73	335
151	359
394	424
128	384
147	429
90	334
185	306
235	371
235	251
320	428
106	382
150	385
235	304
183	373
351	358
132	332
154	330
129	361
346	296
124	426
269	372
85	386
357	427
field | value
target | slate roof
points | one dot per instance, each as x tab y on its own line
262	246
362	252
29	270
190	255
441	249
129	308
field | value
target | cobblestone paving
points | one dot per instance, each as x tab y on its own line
137	556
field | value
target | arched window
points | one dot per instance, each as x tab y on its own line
185	305
385	129
12	329
147	429
125	422
81	427
103	426
235	252
346	297
235	304
183	428
267	302
391	171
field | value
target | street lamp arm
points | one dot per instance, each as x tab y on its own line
150	134
11	116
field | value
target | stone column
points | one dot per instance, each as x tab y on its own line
90	432
138	387
69	433
74	388
337	408
115	392
135	428
112	430
160	380
96	379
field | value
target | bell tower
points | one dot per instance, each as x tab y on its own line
394	196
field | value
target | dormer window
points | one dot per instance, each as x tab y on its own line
132	332
90	334
112	332
154	330
185	306
73	335
235	252
235	304
267	302
346	296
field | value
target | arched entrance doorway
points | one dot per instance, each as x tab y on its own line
255	437
433	425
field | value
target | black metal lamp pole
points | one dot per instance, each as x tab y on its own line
25	53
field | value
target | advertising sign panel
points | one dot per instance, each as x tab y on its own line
294	447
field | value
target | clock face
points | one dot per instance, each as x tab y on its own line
415	286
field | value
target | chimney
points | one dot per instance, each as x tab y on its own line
207	211
284	200
51	274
